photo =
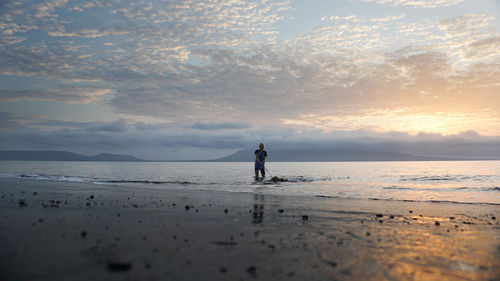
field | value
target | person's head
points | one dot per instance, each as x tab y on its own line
261	145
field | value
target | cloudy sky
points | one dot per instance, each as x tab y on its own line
187	79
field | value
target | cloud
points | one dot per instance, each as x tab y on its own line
155	38
219	62
13	121
88	33
482	49
172	142
466	25
220	126
120	125
270	87
46	9
473	35
9	120
417	3
69	94
146	40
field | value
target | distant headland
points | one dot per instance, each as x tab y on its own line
46	155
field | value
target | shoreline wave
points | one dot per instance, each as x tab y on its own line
256	186
462	188
432	178
297	179
411	200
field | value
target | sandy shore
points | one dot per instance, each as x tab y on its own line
77	231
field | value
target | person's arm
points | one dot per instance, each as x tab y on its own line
257	157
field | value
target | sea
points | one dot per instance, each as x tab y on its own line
460	182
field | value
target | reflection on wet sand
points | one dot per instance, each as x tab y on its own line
258	209
412	247
426	250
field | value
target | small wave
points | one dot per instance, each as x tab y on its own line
89	180
291	179
146	182
462	188
430	178
299	179
446	178
436	201
46	177
464	203
397	188
101	181
409	200
327	196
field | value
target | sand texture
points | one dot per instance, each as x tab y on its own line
78	231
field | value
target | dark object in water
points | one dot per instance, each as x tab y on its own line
277	179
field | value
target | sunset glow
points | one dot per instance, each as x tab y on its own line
439	123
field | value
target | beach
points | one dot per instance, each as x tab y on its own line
79	231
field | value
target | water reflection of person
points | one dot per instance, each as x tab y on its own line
258	209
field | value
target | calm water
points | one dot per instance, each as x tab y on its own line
455	181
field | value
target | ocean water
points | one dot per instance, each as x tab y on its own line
470	182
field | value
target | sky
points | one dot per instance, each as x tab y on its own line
186	79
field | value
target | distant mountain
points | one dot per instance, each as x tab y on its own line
45	155
113	157
327	155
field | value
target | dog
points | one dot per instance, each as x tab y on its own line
276	179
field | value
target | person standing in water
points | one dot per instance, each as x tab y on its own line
260	160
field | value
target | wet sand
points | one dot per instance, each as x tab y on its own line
78	231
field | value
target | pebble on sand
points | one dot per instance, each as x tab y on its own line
252	270
119	266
